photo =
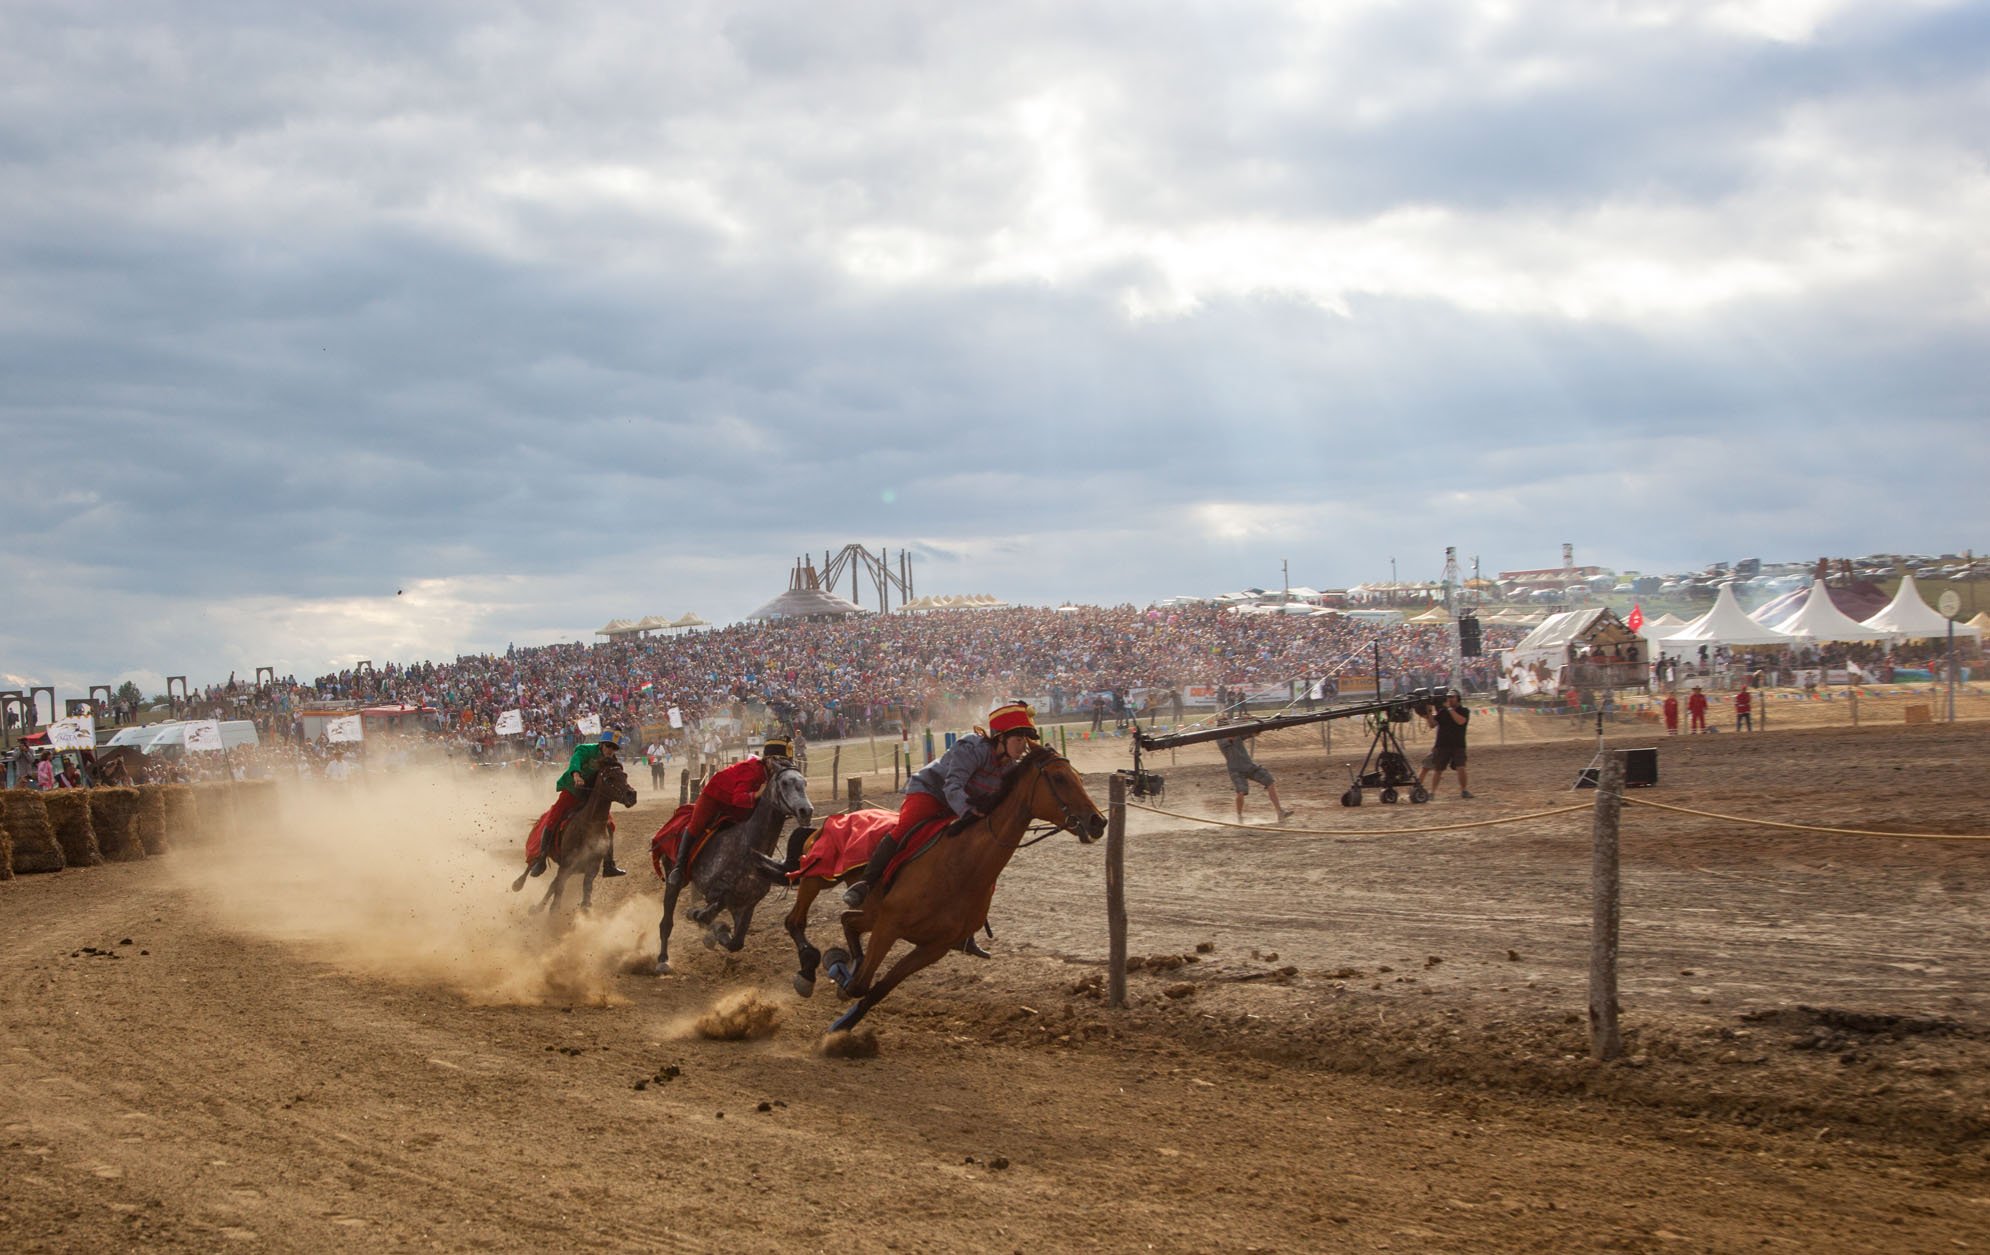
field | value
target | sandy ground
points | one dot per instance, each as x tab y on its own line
346	1030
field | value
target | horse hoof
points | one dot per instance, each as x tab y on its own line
663	968
804	986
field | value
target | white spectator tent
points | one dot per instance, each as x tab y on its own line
1661	627
1908	618
1725	624
1819	620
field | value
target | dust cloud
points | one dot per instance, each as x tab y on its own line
408	878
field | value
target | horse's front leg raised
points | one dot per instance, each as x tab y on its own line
921	956
670	893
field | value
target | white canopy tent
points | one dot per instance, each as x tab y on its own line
1725	624
1908	618
1819	620
1661	627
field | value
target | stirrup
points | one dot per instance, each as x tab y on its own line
608	868
969	946
676	877
854	896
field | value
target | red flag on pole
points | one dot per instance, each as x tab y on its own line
1636	618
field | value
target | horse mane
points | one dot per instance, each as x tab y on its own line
1014	774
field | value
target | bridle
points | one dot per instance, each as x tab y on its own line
1074	819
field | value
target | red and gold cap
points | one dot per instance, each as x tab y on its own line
1014	719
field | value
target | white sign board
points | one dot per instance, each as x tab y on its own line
203	734
345	728
77	733
588	725
676	717
510	723
1950	603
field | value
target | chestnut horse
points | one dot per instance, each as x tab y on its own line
940	897
582	841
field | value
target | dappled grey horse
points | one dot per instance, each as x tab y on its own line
726	872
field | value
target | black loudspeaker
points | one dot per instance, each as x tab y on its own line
1640	769
1469	639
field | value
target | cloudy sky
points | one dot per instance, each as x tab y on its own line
399	330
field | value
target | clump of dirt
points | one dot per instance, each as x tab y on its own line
744	1016
859	1043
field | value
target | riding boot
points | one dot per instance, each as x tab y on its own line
874	870
969	946
608	867
537	866
676	877
796	841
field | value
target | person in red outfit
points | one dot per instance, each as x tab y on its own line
1696	711
1744	710
728	797
1672	714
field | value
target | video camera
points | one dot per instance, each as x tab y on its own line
1425	701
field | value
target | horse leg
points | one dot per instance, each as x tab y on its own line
587	884
670	893
807	955
551	902
922	956
741	921
865	962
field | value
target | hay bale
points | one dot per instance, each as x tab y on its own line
114	818
182	816
69	815
151	826
26	818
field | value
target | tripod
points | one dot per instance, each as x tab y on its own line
1387	764
1588	776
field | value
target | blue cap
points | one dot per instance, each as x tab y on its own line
609	738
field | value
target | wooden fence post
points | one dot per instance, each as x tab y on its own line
683	785
1605	911
835	769
856	788
1116	893
1854	695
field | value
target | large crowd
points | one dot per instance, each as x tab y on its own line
844	677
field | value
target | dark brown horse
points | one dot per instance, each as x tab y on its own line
942	896
582	840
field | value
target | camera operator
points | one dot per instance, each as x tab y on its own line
1448	751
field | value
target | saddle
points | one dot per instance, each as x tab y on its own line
920	840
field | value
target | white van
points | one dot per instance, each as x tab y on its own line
170	737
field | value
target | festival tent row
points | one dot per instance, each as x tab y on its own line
1814	619
620	629
955	601
1725	624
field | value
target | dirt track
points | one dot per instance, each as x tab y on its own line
347	1031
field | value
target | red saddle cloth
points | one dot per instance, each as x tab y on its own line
549	824
924	833
663	846
844	842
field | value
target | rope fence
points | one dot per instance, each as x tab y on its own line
1605	1038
